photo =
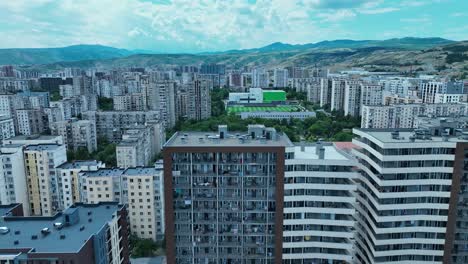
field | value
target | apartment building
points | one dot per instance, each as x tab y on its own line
338	88
140	188
319	204
69	181
41	162
31	121
280	78
404	115
161	98
260	78
224	196
76	134
7	127
146	202
13	184
352	97
140	145
81	234
411	195
199	100
130	102
112	124
371	94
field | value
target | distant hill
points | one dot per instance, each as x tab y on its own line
401	43
451	59
52	55
98	52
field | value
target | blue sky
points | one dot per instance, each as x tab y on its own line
210	25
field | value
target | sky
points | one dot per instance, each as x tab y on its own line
172	26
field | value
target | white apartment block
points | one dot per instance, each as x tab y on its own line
408	192
41	162
141	189
371	94
76	134
112	124
31	121
13	185
69	181
53	114
7	128
319	201
404	115
67	90
447	98
260	78
280	78
130	102
136	148
352	97
337	93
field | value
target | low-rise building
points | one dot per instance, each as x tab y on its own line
81	234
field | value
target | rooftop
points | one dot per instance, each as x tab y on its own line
33	137
112	172
231	139
41	147
408	136
67	239
309	152
142	171
77	164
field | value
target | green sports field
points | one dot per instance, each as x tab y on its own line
282	108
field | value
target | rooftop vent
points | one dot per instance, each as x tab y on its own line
58	225
62	237
34	237
4	230
90	213
90	220
82	228
45	231
396	134
16	242
17	232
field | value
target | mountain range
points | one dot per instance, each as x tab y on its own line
34	56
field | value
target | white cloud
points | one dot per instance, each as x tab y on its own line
379	10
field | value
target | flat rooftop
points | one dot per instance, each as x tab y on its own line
41	147
51	243
212	139
77	164
331	153
33	137
385	136
142	171
112	172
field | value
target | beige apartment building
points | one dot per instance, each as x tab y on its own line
41	163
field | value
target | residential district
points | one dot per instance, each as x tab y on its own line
91	161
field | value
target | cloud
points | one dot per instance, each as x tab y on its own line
416	20
379	10
338	15
190	25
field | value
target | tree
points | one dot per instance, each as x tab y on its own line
105	104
